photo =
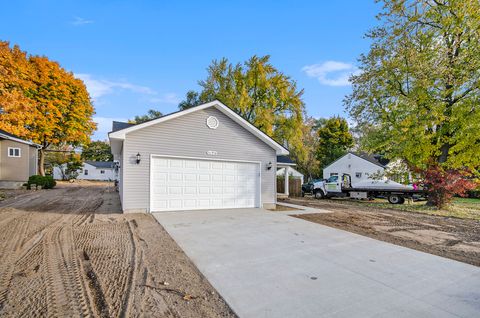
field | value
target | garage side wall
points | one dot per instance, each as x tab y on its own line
189	136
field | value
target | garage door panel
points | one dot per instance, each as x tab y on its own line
160	190
175	190
177	163
160	177
189	177
217	190
217	177
190	203
229	178
190	164
203	165
203	190
203	203
175	204
182	184
217	165
190	190
203	177
160	163
175	176
228	166
160	204
229	202
216	203
229	190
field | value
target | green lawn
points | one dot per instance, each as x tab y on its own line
463	208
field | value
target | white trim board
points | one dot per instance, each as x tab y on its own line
259	203
120	134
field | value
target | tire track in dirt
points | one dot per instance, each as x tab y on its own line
7	261
129	287
65	295
68	253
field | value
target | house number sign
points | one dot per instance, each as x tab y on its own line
212	153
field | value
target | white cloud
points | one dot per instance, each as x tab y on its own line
81	21
168	98
331	73
99	87
104	126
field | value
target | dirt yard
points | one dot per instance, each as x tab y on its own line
454	238
68	252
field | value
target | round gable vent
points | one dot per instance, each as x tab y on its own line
212	122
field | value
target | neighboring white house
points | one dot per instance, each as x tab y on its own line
359	166
91	170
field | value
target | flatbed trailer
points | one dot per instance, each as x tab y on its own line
394	196
326	189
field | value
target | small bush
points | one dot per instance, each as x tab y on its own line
442	185
46	182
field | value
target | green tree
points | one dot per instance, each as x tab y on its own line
417	95
309	164
57	156
191	99
151	114
97	151
261	94
334	139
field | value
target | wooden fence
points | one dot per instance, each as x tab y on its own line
294	186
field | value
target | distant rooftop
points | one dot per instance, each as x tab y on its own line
285	160
100	164
373	158
119	125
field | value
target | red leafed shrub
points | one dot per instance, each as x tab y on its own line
442	184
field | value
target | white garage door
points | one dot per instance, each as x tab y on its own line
189	184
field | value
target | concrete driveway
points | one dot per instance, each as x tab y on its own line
268	264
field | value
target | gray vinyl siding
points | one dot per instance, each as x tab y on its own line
189	136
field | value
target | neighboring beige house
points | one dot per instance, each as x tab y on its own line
18	160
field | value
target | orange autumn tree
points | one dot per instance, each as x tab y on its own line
41	101
15	80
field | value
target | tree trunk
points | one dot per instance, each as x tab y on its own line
444	149
41	162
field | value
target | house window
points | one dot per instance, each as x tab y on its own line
358	174
85	172
102	171
333	174
14	152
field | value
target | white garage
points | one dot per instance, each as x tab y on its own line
192	184
204	157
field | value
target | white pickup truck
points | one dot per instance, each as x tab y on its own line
337	186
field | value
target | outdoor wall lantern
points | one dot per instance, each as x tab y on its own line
269	165
138	158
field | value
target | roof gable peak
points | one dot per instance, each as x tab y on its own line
121	134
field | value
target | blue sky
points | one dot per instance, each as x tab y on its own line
137	55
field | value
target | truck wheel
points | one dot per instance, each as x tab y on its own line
396	199
319	194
